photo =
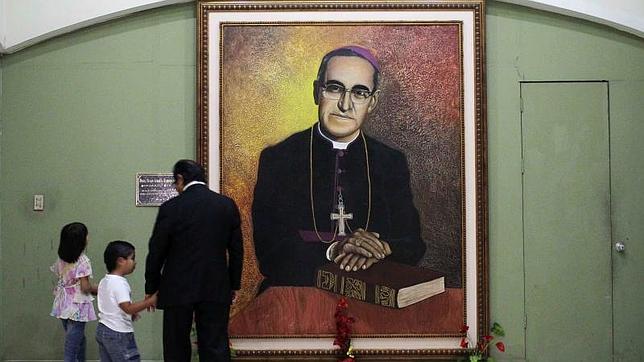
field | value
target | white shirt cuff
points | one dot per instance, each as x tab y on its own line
329	251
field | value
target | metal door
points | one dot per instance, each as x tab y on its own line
567	224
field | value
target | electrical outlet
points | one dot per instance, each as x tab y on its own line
39	202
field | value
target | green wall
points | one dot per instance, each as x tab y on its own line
524	44
1	203
82	113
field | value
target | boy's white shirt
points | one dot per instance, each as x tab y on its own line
113	290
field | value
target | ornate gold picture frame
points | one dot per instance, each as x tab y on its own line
257	61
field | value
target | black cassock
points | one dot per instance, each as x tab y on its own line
286	245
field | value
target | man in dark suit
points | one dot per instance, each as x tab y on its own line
195	263
332	193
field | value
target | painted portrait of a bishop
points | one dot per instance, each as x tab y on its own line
347	155
332	193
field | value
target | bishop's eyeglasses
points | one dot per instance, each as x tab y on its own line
359	95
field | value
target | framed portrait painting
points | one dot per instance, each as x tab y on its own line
352	137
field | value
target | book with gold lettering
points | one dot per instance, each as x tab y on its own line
385	283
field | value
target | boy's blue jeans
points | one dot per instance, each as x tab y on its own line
115	346
74	340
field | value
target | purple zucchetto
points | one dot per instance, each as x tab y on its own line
362	52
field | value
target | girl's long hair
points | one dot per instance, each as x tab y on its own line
73	240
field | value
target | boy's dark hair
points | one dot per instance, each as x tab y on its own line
114	250
73	240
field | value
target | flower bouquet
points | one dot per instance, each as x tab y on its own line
343	325
480	351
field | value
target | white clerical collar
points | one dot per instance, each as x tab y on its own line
193	183
336	145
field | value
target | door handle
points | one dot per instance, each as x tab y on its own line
620	247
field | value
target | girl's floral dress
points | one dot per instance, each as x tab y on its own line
69	301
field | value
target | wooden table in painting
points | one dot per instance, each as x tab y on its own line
300	311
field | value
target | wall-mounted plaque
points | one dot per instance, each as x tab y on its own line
153	189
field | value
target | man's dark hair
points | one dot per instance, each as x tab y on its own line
73	240
189	170
346	52
114	250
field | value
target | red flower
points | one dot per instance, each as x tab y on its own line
342	303
483	343
343	329
463	342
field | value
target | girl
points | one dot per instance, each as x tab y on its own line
72	299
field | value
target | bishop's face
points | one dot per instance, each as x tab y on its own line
342	118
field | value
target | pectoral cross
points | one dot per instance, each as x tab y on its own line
341	217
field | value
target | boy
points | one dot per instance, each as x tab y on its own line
114	333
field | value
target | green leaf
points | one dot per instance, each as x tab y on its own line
497	330
490	359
